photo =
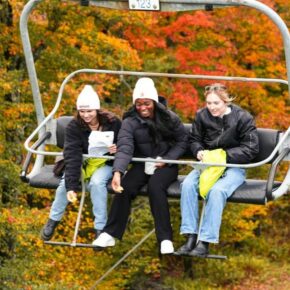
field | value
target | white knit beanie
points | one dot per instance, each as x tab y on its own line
145	89
88	99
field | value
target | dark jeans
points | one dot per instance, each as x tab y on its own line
133	180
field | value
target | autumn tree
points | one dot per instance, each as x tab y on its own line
67	37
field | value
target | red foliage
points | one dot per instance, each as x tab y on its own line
185	98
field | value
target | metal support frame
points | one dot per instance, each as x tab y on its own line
281	144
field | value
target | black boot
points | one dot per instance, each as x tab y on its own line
201	249
48	230
188	246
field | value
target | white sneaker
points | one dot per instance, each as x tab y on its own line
166	247
104	240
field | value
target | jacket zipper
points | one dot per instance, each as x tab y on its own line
220	137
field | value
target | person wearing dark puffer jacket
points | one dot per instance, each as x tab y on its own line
148	129
89	118
220	125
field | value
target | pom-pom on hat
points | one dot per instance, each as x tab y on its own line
145	89
88	99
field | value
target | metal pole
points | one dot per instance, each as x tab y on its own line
79	212
32	77
123	258
30	60
280	25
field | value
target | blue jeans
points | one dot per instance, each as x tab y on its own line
215	203
97	186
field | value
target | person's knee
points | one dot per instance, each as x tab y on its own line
188	186
97	183
218	194
158	187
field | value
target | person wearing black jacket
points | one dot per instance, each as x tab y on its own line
148	129
89	118
220	125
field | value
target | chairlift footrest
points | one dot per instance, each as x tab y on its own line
219	257
67	244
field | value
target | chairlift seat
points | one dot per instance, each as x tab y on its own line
252	191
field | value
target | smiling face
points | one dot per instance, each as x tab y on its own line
216	106
145	108
89	116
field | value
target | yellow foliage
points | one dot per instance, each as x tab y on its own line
254	210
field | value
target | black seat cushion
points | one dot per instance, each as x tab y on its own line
251	191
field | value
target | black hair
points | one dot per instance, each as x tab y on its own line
160	127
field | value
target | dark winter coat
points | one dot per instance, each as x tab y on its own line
134	139
235	132
76	143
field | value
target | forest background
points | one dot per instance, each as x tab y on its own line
66	37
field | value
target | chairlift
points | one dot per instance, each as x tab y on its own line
275	144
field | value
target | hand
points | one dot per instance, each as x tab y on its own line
116	182
200	155
71	196
160	164
112	149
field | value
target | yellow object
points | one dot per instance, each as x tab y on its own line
74	199
90	165
211	174
71	196
120	189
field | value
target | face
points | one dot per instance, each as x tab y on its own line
215	105
89	116
145	108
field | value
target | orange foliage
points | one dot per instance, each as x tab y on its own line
231	42
184	98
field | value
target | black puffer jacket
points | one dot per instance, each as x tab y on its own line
134	139
76	144
236	133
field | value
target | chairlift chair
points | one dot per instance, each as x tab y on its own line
275	144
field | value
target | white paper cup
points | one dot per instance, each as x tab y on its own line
150	167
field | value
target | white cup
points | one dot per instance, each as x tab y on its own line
150	167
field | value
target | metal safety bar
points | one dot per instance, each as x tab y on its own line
196	164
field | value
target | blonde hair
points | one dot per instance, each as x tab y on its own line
220	90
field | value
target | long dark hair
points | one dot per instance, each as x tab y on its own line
103	117
160	127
